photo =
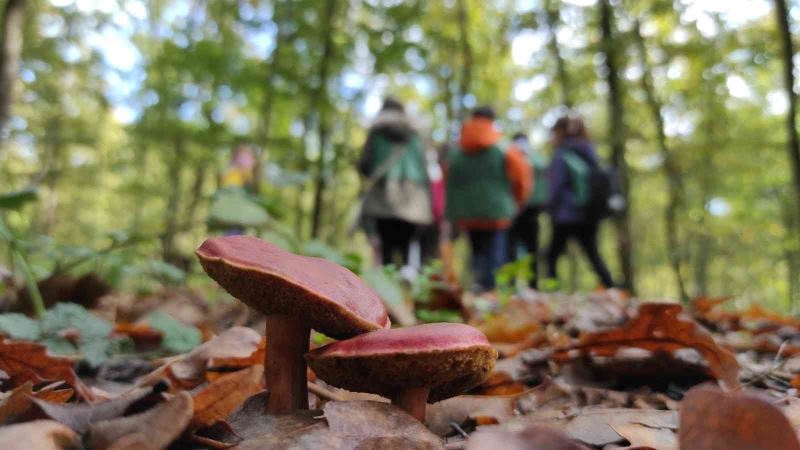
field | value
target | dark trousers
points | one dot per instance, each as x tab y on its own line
488	254
525	231
586	235
395	236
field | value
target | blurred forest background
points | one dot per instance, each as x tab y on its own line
119	115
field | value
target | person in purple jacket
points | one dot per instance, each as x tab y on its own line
570	219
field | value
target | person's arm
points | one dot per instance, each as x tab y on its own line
519	175
366	161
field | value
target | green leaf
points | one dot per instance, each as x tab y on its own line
19	326
438	315
18	199
169	273
234	208
178	338
95	351
64	316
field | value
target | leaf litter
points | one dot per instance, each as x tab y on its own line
598	372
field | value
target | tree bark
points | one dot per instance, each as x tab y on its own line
10	51
173	202
553	18
670	166
465	81
793	144
323	127
616	134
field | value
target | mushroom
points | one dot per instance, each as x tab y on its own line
412	366
296	293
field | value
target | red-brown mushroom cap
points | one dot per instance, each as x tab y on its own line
447	358
271	280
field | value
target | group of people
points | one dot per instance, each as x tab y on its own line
492	190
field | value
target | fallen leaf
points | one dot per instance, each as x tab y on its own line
659	327
27	361
458	410
500	383
531	438
153	429
363	420
79	417
592	425
216	365
142	334
221	397
38	435
639	435
188	371
344	425
716	420
18	402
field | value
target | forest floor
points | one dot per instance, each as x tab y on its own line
596	371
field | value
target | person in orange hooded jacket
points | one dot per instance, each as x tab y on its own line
486	186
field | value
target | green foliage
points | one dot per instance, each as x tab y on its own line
513	276
66	329
18	199
178	338
386	282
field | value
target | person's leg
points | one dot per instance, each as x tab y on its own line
514	237
558	243
587	237
479	241
532	245
405	232
497	246
386	237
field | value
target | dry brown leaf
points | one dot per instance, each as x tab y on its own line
38	435
79	417
188	371
375	424
643	436
715	420
142	334
659	327
221	397
518	320
18	402
500	383
27	361
217	365
153	429
532	438
593	425
487	409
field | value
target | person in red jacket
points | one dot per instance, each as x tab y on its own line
486	186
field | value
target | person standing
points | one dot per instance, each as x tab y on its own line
574	158
524	230
486	184
397	199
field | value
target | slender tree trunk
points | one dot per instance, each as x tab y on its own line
173	202
793	144
465	81
265	129
553	19
671	169
10	51
321	102
616	134
791	253
196	192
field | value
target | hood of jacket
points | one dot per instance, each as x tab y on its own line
395	125
478	134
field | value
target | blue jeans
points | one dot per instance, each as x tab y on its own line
488	254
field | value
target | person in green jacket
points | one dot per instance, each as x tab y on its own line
398	200
524	230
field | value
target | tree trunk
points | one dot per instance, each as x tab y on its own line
264	133
671	169
10	51
793	145
168	252
616	135
319	100
465	82
553	19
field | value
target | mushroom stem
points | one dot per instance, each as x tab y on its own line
413	401
285	364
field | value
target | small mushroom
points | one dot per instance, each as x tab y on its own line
411	366
296	293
